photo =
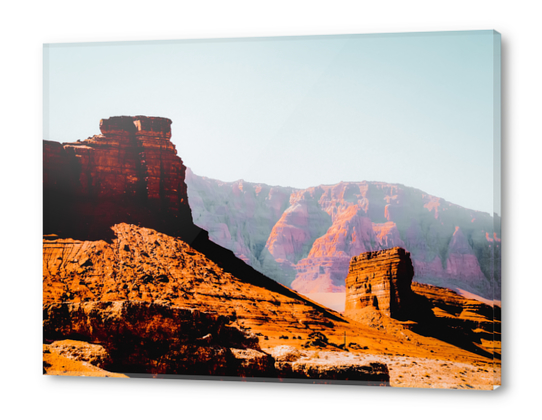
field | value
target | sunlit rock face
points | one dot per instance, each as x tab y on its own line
306	238
381	279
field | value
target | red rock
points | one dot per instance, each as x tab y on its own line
326	266
143	292
146	285
129	173
381	279
388	235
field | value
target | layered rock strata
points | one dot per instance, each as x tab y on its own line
381	279
468	323
166	300
308	238
129	173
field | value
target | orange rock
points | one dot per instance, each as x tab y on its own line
380	291
381	279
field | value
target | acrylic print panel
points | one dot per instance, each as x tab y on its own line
319	209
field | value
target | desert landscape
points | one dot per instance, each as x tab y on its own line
144	276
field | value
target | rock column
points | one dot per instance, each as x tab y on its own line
381	279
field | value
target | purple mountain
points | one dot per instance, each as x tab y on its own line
305	239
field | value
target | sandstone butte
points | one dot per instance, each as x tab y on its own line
380	293
132	287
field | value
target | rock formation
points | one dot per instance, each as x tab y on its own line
309	245
159	306
145	265
131	285
381	279
130	173
94	354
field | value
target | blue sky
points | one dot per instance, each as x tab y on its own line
415	109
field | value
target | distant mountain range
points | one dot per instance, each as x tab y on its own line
305	238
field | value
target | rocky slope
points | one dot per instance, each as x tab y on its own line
129	296
120	296
310	244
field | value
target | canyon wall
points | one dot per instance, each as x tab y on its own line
309	245
240	216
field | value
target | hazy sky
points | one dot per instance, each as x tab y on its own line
415	109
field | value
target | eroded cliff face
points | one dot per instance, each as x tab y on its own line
310	244
129	173
240	216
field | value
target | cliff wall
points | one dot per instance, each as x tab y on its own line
308	238
129	173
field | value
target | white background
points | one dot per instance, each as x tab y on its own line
25	26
